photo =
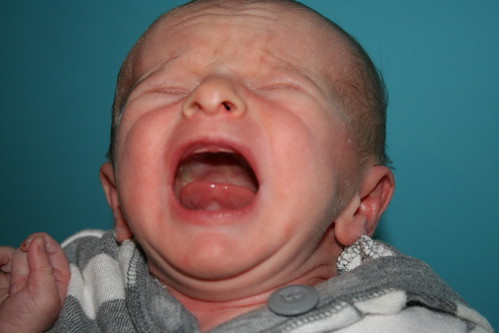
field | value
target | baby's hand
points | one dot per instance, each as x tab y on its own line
33	284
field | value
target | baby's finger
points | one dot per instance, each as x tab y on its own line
59	263
6	253
19	271
41	280
19	266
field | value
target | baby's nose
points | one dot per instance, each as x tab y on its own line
214	95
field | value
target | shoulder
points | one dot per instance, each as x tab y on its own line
413	319
84	234
392	292
87	244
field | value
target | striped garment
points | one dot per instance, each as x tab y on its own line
378	290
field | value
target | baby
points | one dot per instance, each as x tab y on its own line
246	173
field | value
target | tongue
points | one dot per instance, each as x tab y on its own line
205	195
215	181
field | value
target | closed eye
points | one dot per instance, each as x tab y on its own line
281	86
171	91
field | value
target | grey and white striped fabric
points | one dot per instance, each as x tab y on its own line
378	290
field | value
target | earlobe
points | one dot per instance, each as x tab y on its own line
361	215
108	181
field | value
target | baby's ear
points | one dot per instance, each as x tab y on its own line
108	181
362	213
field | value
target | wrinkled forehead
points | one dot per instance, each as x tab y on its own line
241	29
256	16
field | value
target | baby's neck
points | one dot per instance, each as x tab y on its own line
211	314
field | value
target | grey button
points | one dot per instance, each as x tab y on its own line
293	300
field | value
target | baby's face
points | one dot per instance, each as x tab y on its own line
231	150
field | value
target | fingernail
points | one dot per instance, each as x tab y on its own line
25	245
40	244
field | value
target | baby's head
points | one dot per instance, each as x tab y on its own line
247	147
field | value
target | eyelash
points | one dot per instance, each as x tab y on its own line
281	86
171	91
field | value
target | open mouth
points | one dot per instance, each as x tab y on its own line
215	180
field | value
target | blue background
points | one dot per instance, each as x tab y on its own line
58	64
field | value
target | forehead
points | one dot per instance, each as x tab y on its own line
259	34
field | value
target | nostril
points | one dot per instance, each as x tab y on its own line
228	106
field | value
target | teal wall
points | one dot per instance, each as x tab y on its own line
58	63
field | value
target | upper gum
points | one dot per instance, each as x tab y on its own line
212	149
